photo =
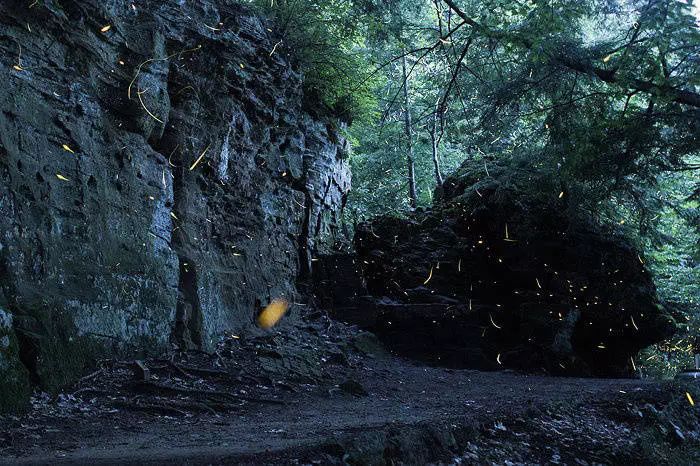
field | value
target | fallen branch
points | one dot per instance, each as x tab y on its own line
179	369
155	386
159	409
90	390
202	370
90	376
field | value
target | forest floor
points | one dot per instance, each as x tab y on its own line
323	393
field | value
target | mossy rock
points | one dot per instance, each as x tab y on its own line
53	352
14	378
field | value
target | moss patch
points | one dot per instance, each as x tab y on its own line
14	378
52	350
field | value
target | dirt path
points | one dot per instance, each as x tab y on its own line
314	424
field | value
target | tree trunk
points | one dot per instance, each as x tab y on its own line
412	196
434	140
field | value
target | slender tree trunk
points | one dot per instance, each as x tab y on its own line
412	196
434	140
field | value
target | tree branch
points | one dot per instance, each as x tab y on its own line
680	96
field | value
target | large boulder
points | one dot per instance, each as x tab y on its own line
503	273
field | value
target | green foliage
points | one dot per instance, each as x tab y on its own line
379	169
326	38
673	250
514	95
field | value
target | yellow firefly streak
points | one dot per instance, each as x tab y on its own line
199	159
690	399
150	60
430	275
138	94
275	47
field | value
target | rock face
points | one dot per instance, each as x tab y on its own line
14	383
159	177
502	274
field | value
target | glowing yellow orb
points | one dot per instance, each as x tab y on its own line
272	314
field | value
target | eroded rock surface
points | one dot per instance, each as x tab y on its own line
502	274
159	178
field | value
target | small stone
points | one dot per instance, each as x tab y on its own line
141	372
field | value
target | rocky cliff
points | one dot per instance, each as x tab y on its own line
159	179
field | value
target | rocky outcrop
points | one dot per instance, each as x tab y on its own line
159	178
14	383
502	273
